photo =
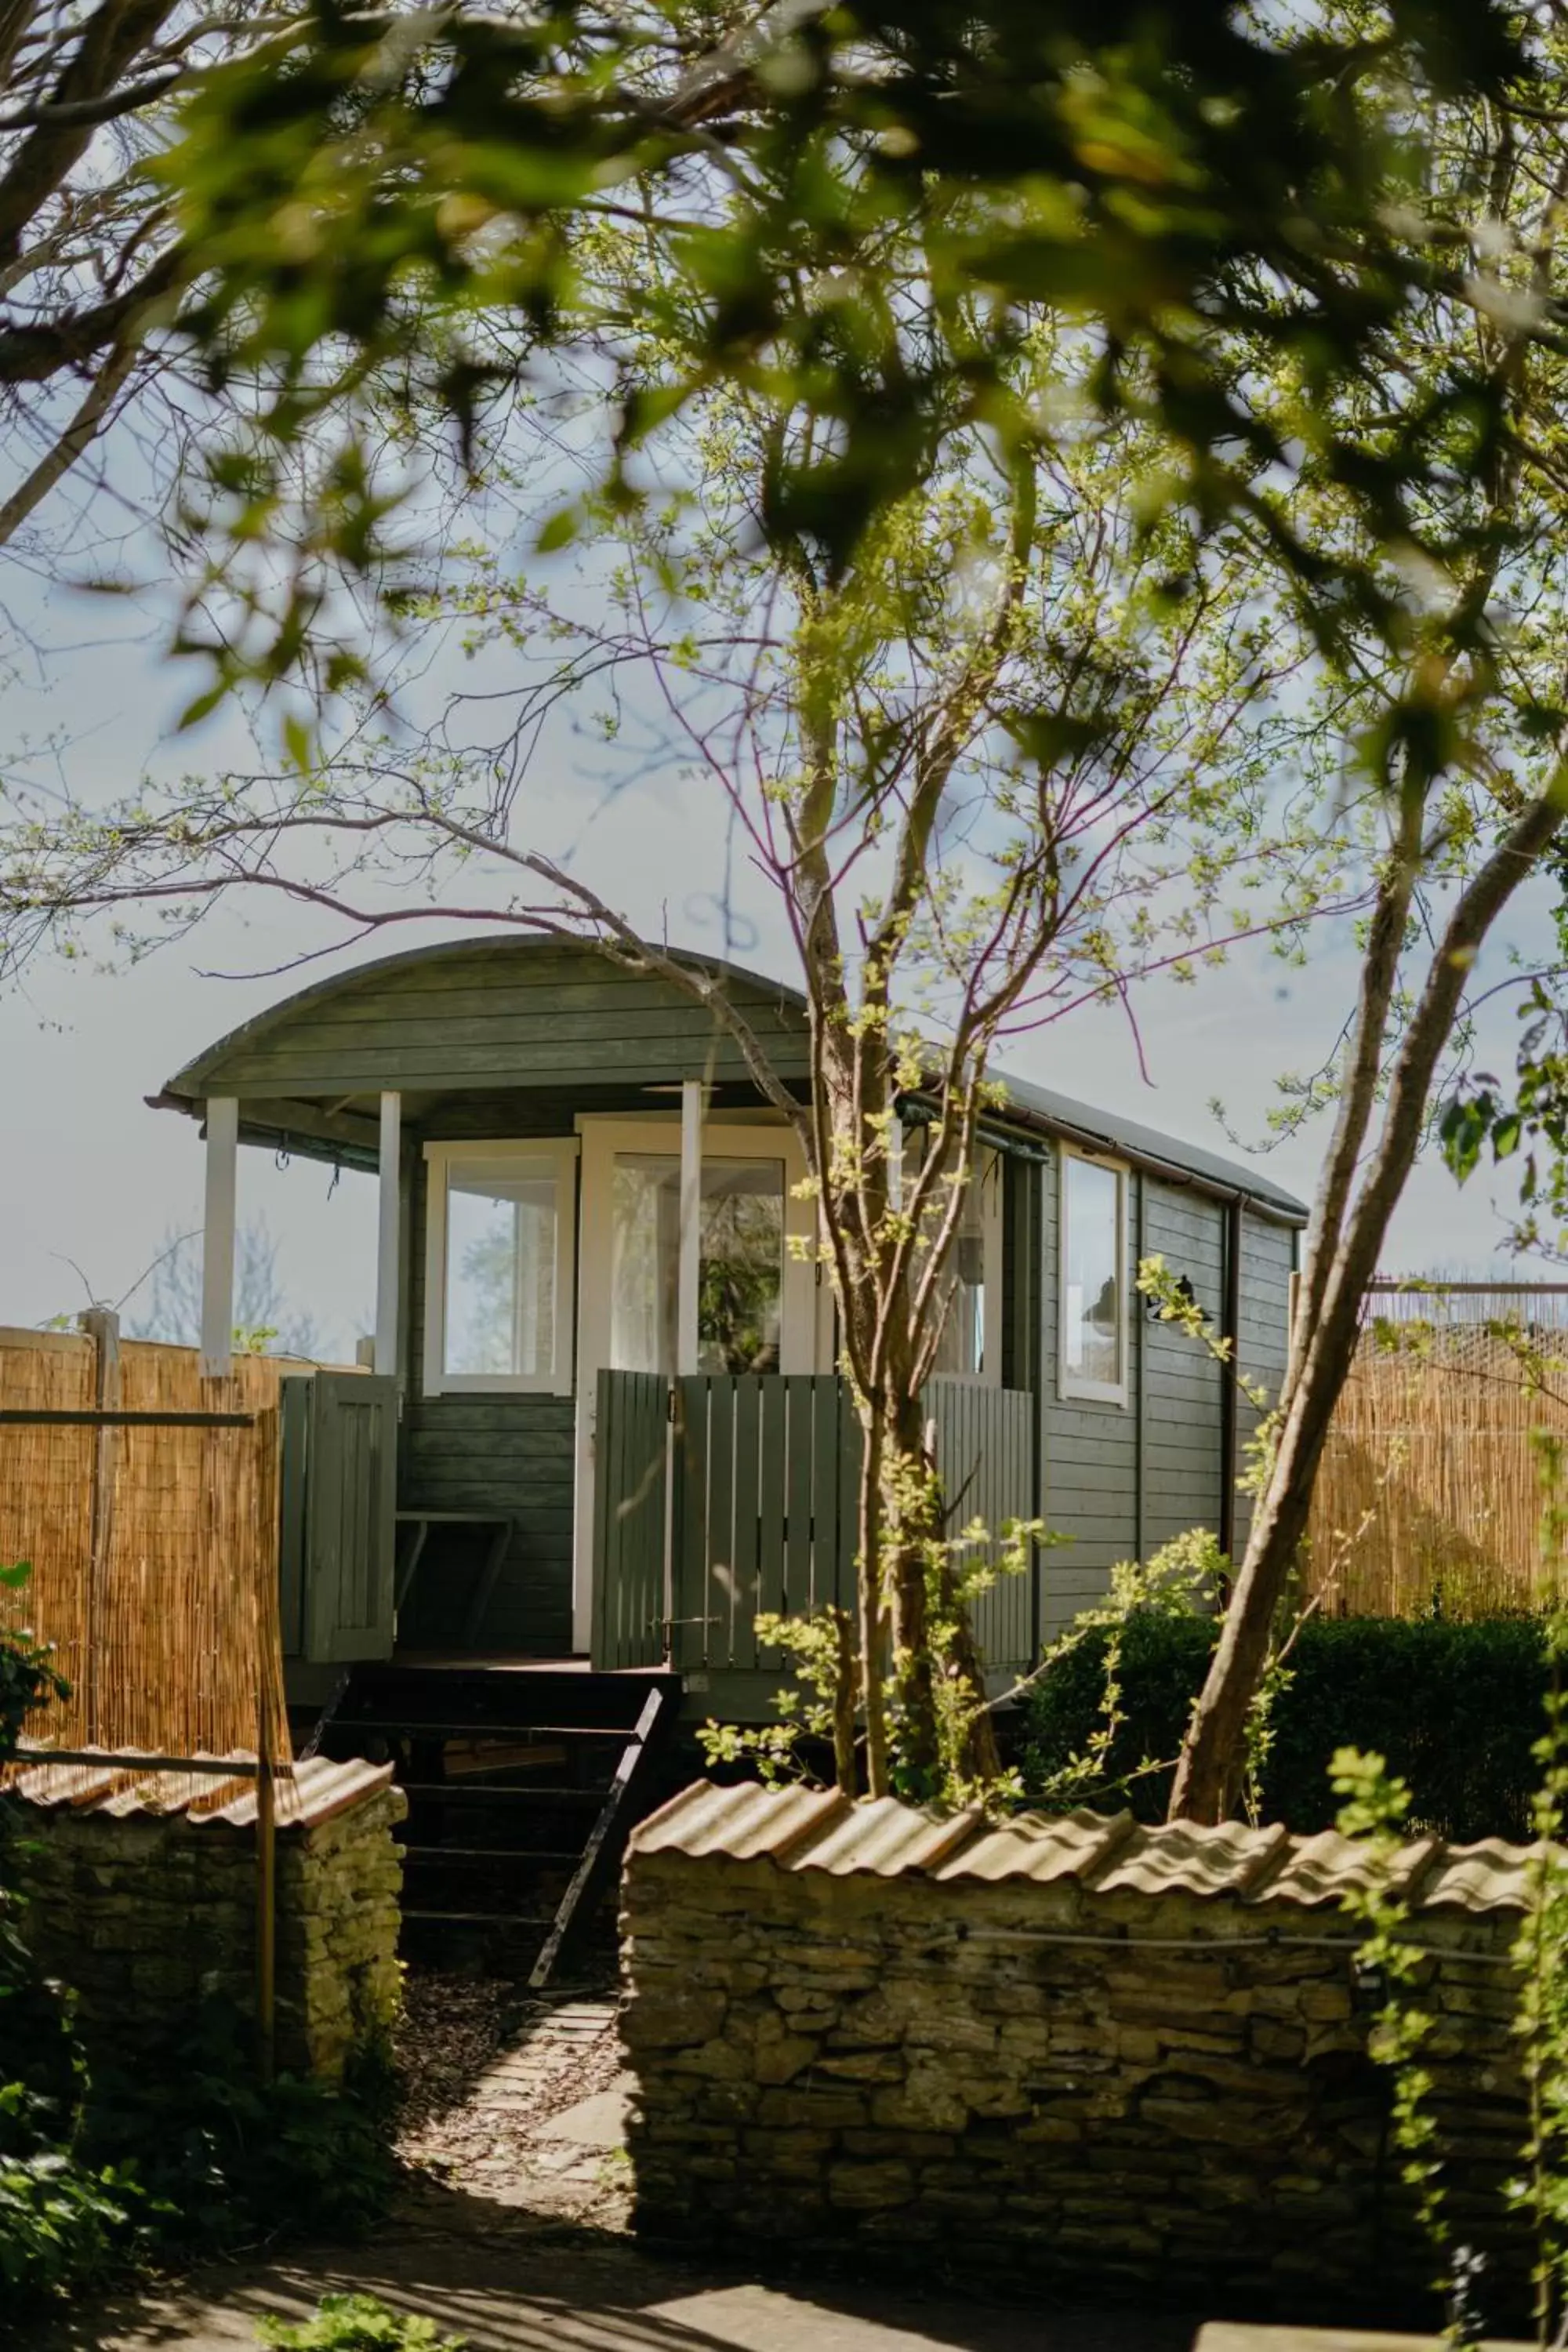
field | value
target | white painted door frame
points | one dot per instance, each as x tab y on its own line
800	1349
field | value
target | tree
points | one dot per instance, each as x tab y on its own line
859	229
264	1319
388	215
1015	754
92	269
1493	659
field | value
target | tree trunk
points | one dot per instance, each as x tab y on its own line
1323	1349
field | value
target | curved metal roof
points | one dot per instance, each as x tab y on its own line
1029	1107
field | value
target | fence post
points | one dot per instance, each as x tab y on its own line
266	1888
101	1324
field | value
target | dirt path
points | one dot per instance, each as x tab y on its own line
520	2105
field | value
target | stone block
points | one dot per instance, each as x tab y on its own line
674	2018
866	2187
927	2100
831	2109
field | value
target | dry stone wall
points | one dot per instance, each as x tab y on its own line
1075	2053
145	1915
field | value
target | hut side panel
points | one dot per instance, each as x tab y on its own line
1088	1449
1267	1258
1183	1399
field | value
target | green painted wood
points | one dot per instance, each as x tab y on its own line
294	1439
720	1562
689	1538
351	1503
773	1479
847	1553
747	1489
797	1388
630	1463
504	1014
824	1428
985	1454
766	1503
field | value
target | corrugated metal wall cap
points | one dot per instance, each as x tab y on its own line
1187	1858
1040	1846
800	1828
319	1790
743	1824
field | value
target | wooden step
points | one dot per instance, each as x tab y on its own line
422	1856
404	1726
447	1792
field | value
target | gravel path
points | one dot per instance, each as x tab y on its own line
488	2074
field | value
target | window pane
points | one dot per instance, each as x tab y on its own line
741	1285
501	1269
741	1264
1091	1304
645	1263
961	1346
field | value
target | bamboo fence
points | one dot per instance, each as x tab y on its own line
153	1550
1429	1499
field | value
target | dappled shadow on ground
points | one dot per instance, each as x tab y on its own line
512	2281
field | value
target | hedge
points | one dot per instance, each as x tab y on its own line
1454	1708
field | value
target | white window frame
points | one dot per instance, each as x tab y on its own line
990	1173
1072	1385
509	1152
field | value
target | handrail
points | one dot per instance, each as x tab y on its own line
105	1417
130	1761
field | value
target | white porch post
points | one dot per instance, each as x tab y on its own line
389	1235
691	1224
217	1235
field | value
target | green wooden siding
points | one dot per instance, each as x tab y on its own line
472	1017
1117	1481
1088	1449
1267	1256
1183	1386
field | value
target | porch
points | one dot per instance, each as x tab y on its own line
721	1498
717	1498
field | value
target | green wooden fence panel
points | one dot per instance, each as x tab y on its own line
984	1451
631	1489
798	1394
690	1540
350	1518
764	1513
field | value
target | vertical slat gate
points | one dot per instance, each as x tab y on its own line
763	1514
984	1451
350	1518
631	1489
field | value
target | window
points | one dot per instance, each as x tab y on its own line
740	1264
1093	1297
498	1264
970	1347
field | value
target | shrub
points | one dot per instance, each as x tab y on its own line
1454	1708
96	2173
356	2322
64	2222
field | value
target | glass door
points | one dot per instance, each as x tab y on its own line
757	1300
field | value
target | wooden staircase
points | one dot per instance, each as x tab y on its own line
522	1784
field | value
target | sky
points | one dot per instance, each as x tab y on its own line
94	1184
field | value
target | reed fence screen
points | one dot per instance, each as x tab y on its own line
153	1550
1429	1499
